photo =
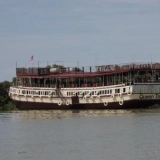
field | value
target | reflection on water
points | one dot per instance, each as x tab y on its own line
60	114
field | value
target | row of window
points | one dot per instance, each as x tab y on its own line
39	92
101	92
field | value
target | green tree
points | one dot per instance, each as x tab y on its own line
48	66
5	102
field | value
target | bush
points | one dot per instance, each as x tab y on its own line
5	102
9	106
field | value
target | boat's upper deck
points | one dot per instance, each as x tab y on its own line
66	72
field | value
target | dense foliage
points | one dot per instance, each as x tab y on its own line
5	102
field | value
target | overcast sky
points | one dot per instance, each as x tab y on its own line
71	32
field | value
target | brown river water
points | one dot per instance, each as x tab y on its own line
80	135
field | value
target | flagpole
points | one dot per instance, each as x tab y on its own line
33	63
16	76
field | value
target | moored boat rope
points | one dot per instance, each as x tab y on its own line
85	97
50	92
120	95
59	103
105	103
113	96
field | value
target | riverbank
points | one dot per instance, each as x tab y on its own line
10	106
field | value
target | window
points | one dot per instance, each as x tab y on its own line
23	91
117	90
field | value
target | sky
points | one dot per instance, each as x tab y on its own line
77	32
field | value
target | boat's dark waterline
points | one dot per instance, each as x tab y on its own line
131	104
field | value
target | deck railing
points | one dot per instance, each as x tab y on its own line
102	68
85	85
32	71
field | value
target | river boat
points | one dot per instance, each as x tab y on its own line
117	86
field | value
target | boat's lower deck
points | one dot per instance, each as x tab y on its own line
106	97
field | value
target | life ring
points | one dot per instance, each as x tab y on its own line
121	102
67	103
129	93
105	103
59	103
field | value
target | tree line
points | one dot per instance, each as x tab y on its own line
5	102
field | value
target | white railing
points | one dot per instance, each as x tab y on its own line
68	92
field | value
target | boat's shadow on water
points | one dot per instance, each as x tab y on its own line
61	114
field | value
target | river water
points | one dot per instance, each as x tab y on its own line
80	135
